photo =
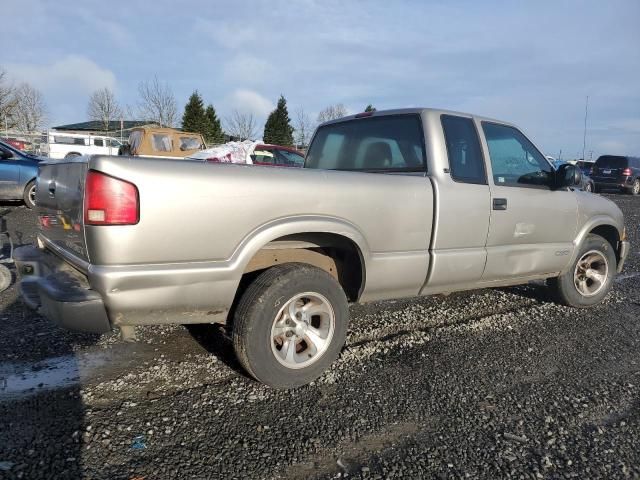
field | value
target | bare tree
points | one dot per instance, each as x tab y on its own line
241	125
7	101
30	110
303	127
157	103
103	108
332	112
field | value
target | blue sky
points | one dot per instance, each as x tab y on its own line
532	63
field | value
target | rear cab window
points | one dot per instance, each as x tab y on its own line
388	143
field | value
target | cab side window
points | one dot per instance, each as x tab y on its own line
466	162
514	159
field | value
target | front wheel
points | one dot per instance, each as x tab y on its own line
29	195
588	187
290	325
590	277
635	188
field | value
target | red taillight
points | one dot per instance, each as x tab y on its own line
627	172
110	201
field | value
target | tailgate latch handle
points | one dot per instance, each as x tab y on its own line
52	188
499	203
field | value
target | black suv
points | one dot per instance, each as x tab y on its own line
612	171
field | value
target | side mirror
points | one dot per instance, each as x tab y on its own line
5	154
568	175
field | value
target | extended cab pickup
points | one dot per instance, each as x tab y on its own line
390	204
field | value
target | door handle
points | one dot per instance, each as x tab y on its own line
499	203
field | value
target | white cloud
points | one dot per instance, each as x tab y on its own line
73	74
249	101
249	69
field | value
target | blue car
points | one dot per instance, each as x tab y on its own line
18	172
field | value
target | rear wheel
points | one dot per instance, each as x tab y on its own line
29	195
635	188
290	325
588	187
72	154
590	277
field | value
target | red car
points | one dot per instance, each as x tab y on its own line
277	156
19	144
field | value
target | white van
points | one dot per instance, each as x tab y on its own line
65	145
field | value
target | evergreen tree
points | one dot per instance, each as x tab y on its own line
193	119
278	129
213	133
370	108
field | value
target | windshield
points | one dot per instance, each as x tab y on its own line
386	143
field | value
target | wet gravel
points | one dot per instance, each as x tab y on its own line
496	383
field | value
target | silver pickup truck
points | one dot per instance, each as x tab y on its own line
390	204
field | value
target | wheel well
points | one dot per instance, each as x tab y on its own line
337	255
610	234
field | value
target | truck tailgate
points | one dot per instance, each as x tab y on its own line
59	201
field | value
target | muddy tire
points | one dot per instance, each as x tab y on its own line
5	278
290	325
590	277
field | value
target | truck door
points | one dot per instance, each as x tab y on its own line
462	209
532	227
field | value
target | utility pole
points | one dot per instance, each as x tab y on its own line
584	138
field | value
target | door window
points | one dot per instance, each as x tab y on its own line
98	142
290	159
514	160
161	142
262	157
463	148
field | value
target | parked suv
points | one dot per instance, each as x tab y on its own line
612	171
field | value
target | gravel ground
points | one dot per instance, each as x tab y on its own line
488	384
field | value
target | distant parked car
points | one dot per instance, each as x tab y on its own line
252	153
18	172
67	145
158	142
619	172
277	156
18	144
586	166
586	183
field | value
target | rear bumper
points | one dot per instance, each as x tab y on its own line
608	182
623	251
58	292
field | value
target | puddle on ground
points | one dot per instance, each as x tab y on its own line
625	276
29	378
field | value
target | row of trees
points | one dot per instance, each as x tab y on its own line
158	105
22	106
